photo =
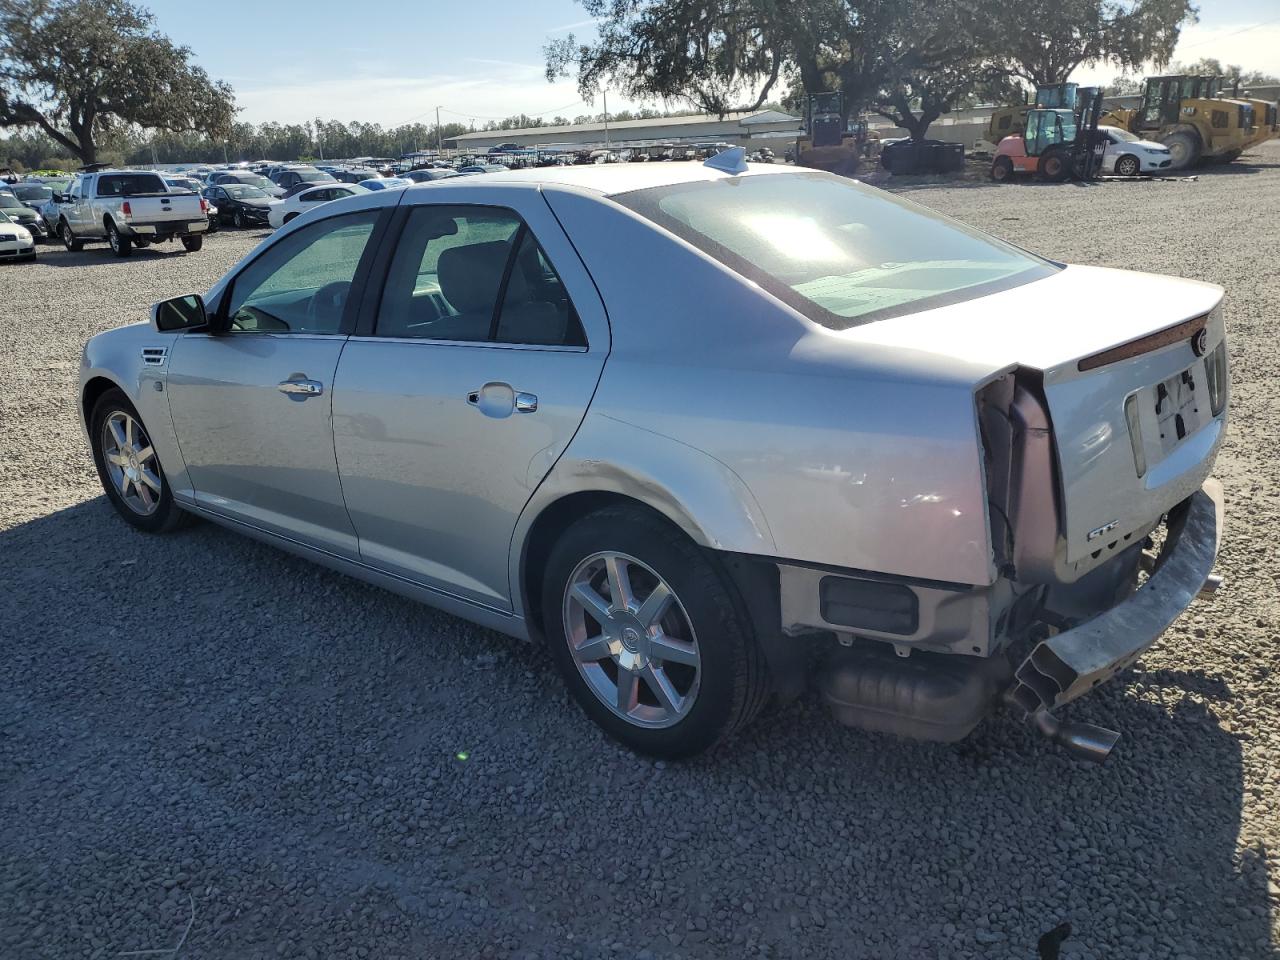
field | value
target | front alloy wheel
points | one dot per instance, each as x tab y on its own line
129	467
131	463
631	640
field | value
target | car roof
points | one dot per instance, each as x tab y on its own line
608	179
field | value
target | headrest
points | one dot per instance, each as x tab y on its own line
469	275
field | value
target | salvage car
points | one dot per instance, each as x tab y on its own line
280	212
899	459
18	211
238	204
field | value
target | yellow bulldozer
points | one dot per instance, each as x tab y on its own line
828	143
1190	116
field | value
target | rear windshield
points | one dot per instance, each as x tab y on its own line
836	250
130	184
31	192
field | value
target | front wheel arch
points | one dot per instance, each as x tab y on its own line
94	388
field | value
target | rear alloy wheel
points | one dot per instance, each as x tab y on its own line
1001	169
647	632
1128	166
129	467
69	239
238	219
120	244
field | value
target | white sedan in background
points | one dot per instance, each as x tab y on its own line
282	211
16	241
1128	156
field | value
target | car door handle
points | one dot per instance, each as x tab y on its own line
498	400
301	389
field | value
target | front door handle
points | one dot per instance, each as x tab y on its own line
300	389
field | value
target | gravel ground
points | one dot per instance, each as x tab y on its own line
206	742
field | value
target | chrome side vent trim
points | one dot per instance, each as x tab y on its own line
154	356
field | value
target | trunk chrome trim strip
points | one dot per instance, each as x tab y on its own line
1161	338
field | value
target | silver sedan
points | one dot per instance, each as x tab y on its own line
709	431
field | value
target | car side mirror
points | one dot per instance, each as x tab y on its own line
180	313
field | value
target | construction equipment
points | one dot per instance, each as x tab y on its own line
1011	121
825	143
1058	143
1189	115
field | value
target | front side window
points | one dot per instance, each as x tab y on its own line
836	250
301	284
474	274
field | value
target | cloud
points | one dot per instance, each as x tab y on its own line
1251	47
565	27
502	90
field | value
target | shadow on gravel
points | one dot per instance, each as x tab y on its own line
60	256
324	768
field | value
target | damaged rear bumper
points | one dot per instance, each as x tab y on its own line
1073	662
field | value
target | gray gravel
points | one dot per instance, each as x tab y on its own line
197	726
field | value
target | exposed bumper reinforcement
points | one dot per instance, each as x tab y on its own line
1073	662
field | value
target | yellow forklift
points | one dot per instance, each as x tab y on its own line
1189	115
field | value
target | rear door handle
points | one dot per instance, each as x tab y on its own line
526	403
498	400
300	389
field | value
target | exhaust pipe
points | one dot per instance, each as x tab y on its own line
1085	741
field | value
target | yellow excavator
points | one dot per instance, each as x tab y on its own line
1190	116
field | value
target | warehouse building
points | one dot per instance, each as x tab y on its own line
761	128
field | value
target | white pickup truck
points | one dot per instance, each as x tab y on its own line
129	208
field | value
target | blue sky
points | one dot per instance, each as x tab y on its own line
397	62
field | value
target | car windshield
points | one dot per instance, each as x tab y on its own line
10	202
4	217
836	250
130	184
314	176
31	192
241	192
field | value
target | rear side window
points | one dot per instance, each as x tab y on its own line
474	274
838	251
130	184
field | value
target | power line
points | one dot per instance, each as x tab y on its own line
1201	43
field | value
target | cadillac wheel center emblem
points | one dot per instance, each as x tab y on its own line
1200	342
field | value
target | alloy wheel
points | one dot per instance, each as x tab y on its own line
131	463
631	640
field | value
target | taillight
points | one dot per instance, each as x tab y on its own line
126	209
1215	369
204	205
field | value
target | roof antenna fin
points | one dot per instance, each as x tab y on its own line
733	160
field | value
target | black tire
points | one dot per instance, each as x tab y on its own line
732	682
1185	148
69	239
213	224
1128	166
1054	166
167	515
120	244
237	219
192	243
1001	169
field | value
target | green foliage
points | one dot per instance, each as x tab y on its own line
1045	40
1207	66
81	69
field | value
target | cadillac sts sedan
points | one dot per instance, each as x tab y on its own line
713	433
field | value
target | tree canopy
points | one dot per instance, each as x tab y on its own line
78	69
909	59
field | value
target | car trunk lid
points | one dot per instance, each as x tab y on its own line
1100	339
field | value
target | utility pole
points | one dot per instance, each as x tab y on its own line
439	133
224	152
607	145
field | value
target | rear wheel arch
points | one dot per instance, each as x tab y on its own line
551	523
